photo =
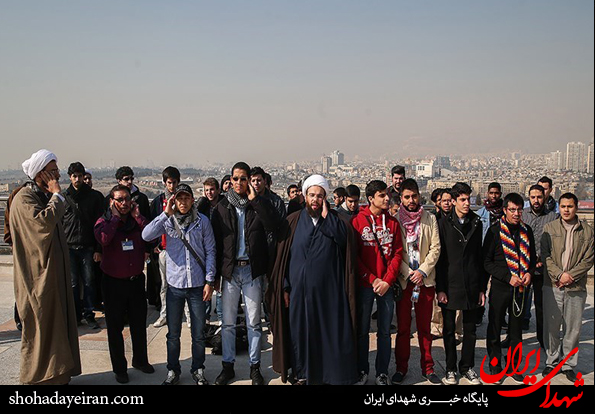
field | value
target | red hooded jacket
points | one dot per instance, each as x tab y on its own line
369	260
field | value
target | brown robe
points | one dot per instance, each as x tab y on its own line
43	290
275	298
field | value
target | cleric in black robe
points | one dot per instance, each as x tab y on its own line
312	294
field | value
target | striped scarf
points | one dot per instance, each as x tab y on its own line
517	261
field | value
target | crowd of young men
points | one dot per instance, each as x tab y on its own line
322	269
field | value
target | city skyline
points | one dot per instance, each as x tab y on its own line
198	83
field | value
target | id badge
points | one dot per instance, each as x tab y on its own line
127	245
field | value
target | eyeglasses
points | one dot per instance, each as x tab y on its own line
243	178
515	210
127	178
121	200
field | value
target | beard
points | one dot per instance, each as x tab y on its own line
413	207
312	212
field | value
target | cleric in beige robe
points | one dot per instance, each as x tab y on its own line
43	291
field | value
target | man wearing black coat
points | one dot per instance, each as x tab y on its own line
240	224
461	281
83	208
512	270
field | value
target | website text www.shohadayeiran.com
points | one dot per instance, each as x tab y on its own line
70	400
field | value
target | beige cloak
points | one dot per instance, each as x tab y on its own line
43	290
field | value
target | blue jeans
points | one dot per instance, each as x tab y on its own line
81	273
241	282
385	306
176	298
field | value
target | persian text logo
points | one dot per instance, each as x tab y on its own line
513	367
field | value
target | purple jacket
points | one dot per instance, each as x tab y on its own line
123	246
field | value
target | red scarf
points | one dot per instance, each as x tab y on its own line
409	220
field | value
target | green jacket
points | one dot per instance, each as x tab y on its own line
553	244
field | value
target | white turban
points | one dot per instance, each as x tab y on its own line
38	162
318	180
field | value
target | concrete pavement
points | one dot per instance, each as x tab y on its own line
97	367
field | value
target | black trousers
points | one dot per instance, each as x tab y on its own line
501	301
125	298
154	281
467	361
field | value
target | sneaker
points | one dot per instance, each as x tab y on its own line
199	377
547	371
570	375
497	371
472	377
160	322
226	375
382	379
172	378
450	378
518	378
398	378
363	379
432	378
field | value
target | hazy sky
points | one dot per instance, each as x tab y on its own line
196	81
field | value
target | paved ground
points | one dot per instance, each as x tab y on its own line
97	367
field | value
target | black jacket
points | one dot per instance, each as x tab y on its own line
260	218
83	208
203	205
156	207
494	259
460	272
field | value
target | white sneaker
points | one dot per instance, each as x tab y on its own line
472	377
382	379
363	379
160	322
199	377
450	378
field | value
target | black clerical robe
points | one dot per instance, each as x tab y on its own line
315	336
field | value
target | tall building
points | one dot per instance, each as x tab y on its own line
576	156
557	160
426	170
590	158
338	158
442	162
326	164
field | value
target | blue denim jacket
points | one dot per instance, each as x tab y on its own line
182	269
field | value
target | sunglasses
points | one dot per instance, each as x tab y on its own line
121	200
127	178
236	179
